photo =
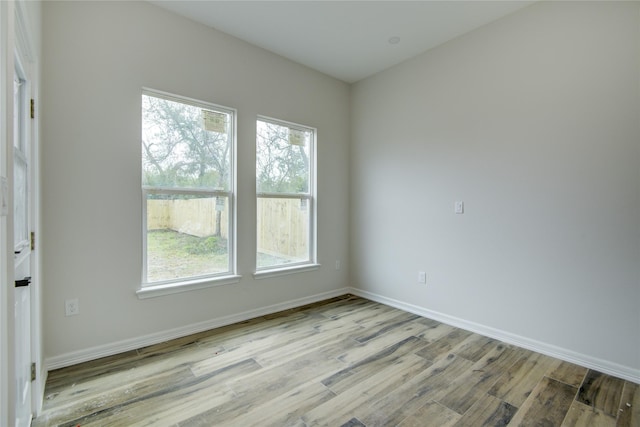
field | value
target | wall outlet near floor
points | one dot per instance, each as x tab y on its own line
422	277
72	307
338	264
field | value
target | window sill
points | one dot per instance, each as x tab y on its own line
152	291
275	272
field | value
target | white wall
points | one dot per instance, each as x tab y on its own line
97	57
532	121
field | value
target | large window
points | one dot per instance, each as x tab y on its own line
187	186
285	164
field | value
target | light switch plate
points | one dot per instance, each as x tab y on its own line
459	207
422	277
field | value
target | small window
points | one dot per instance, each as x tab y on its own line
187	186
20	164
285	175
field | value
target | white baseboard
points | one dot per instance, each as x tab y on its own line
97	352
110	349
604	366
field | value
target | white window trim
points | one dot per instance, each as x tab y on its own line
284	271
312	197
160	289
154	289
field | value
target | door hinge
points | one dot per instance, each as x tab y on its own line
33	371
33	240
33	108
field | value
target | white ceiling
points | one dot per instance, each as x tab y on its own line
349	40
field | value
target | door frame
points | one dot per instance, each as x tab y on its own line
5	56
25	49
23	332
20	29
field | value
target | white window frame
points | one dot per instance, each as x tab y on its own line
166	287
312	202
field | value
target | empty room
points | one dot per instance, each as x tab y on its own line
300	213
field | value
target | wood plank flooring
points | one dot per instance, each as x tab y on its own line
342	362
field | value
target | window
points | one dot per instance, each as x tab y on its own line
188	190
285	185
20	164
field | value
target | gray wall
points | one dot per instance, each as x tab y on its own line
532	121
97	57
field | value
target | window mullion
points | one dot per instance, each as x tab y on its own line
189	191
284	196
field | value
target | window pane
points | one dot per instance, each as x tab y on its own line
282	159
20	211
185	146
18	113
187	236
283	231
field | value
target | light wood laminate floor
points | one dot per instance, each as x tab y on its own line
343	362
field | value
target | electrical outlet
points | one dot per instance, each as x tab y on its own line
422	277
72	307
338	264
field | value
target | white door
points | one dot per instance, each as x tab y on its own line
22	245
